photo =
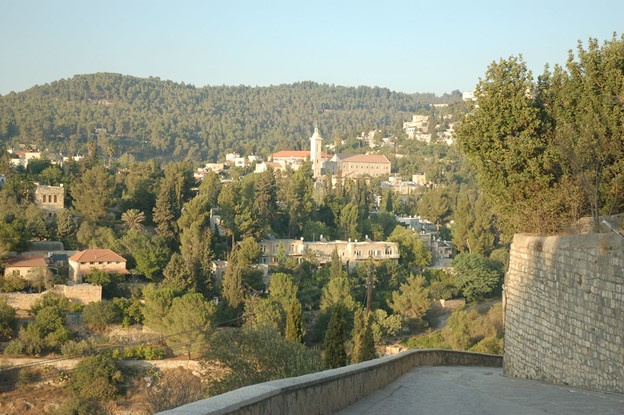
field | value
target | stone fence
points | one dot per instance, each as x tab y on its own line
331	390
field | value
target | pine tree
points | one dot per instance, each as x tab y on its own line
294	324
335	354
232	284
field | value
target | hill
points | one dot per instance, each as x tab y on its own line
155	118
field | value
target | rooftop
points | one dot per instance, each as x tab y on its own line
101	255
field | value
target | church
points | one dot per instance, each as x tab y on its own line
348	165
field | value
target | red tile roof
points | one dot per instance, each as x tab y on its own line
26	262
99	255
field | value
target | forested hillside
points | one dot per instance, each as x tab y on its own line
155	118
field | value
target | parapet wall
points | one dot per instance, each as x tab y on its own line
326	392
564	310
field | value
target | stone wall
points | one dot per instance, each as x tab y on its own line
81	294
326	392
564	310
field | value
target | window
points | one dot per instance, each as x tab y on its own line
263	248
54	198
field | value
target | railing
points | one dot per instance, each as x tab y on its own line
331	390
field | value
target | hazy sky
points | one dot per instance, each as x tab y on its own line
409	46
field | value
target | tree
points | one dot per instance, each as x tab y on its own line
98	315
475	275
232	285
413	252
587	106
294	323
93	194
178	276
8	321
363	341
254	356
66	228
150	253
334	353
508	140
412	300
265	201
97	378
133	219
197	252
157	304
283	289
299	199
434	205
188	323
473	230
263	313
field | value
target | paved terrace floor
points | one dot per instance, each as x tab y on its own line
481	391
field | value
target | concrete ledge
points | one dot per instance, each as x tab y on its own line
331	390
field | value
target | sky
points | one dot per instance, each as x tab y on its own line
406	46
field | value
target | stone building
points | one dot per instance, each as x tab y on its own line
84	262
351	252
50	198
26	267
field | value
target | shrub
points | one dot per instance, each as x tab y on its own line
97	378
100	314
77	349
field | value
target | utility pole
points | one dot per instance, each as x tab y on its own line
369	288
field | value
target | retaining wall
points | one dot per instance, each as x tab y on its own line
564	310
326	392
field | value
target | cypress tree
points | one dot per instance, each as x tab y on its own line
294	325
335	354
363	343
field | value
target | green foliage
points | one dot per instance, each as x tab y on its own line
131	311
8	321
363	340
80	348
467	330
334	352
139	352
557	142
188	323
157	304
475	276
264	313
12	283
294	324
150	253
152	117
413	252
93	193
47	332
97	378
98	315
254	356
412	300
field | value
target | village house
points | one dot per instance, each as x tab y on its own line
28	268
84	262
